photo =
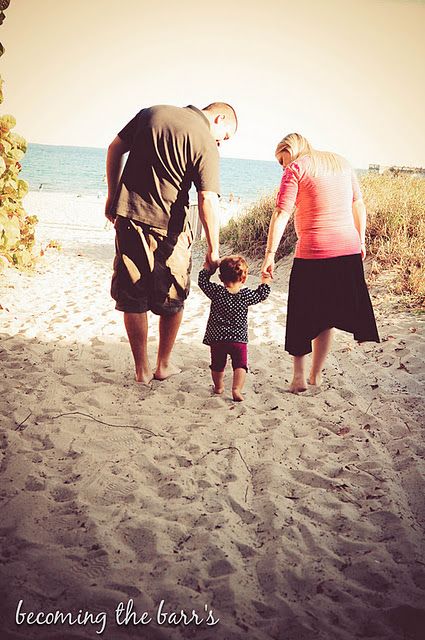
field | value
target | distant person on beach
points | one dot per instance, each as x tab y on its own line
169	149
327	287
227	327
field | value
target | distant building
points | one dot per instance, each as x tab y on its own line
396	171
374	168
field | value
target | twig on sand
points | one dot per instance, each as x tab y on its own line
18	426
373	399
241	457
369	473
224	449
108	424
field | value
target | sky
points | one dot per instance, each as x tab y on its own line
347	74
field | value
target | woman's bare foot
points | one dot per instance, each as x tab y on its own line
218	390
162	372
315	379
237	396
298	385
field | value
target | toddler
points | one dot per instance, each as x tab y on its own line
227	327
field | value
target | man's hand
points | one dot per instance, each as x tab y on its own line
109	216
212	259
208	267
208	210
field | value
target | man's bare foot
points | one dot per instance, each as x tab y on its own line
218	389
163	372
144	376
237	396
298	385
315	379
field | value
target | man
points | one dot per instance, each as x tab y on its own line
169	148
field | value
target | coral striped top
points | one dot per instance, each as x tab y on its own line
324	220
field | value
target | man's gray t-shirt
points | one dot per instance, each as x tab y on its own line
170	148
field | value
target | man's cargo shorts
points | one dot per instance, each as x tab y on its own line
151	269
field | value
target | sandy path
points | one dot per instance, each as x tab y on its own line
291	517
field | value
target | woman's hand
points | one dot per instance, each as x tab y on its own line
267	267
363	251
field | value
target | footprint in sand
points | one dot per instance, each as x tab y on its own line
264	611
45	442
245	550
170	490
246	516
63	494
368	577
35	484
141	540
94	565
220	568
130	590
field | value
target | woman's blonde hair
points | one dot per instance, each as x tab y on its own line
322	162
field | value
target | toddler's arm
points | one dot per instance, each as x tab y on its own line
257	295
209	288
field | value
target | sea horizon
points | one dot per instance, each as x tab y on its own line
81	170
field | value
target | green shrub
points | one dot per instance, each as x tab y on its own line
16	227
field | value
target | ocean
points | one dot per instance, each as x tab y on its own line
81	170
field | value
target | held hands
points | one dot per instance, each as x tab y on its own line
212	261
267	268
209	268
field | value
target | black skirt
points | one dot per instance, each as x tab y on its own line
326	293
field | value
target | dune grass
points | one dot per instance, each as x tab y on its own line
248	233
395	236
396	232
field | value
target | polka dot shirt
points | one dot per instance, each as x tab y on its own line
228	319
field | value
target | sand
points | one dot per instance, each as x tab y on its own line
292	517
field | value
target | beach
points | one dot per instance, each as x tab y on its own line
292	517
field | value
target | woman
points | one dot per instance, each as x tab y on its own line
327	287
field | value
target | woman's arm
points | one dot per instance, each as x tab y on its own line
278	223
359	215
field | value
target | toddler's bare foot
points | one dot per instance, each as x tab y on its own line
237	396
162	372
298	385
218	390
315	379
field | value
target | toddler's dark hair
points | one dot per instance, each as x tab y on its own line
233	269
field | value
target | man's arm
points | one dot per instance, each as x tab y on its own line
208	210
114	164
